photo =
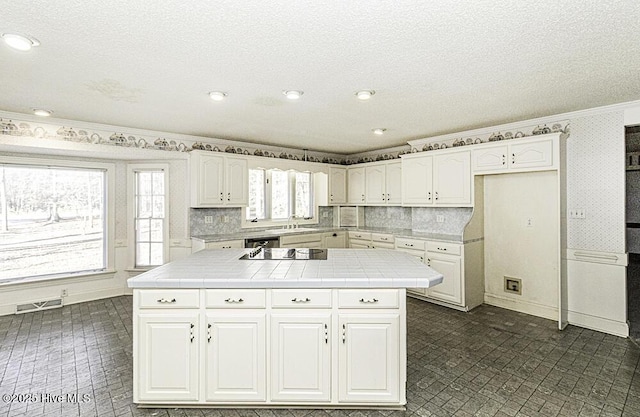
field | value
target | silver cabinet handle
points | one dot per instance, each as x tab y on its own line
228	196
436	196
209	333
165	301
513	158
383	198
362	197
301	300
369	300
504	159
409	244
344	334
326	334
191	332
221	197
429	196
444	249
384	238
234	300
428	262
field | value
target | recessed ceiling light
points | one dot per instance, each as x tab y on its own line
217	95
293	94
365	94
379	131
42	112
20	42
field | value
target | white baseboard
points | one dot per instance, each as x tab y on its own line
599	324
522	306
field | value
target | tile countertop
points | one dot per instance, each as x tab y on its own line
344	268
249	234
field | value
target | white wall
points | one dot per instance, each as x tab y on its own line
514	249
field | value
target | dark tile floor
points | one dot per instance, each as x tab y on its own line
489	362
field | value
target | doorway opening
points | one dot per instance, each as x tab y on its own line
632	142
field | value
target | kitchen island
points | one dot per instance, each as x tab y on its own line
215	330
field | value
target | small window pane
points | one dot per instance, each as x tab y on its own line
158	207
256	208
156	230
144	183
279	195
150	215
156	254
142	253
144	207
158	183
142	230
303	194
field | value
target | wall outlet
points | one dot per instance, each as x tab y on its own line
577	214
208	219
440	218
64	292
529	222
513	285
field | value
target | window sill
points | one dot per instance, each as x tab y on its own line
81	276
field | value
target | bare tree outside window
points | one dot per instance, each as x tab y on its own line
52	221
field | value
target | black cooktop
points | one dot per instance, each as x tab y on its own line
279	254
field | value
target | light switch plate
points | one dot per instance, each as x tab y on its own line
208	219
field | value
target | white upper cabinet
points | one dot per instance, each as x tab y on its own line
531	154
356	181
393	182
441	179
376	184
218	180
417	180
452	179
337	185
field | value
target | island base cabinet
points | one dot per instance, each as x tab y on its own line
235	355
167	356
301	357
369	358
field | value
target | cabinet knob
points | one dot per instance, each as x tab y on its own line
165	301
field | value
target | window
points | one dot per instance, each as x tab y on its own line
276	195
52	220
149	216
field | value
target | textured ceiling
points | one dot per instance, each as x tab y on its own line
436	66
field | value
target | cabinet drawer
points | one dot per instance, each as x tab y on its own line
368	298
359	235
235	298
410	244
169	298
382	245
443	247
382	237
227	244
301	239
302	298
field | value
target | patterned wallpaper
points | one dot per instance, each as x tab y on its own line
596	182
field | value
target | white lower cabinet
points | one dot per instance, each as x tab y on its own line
369	358
236	356
277	347
301	356
450	288
167	364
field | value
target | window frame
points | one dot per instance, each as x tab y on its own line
132	169
245	223
109	211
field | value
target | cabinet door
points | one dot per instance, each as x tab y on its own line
452	179
210	179
393	184
356	184
301	356
167	356
236	356
450	290
359	244
417	180
531	154
490	159
237	175
375	184
335	240
337	185
369	357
